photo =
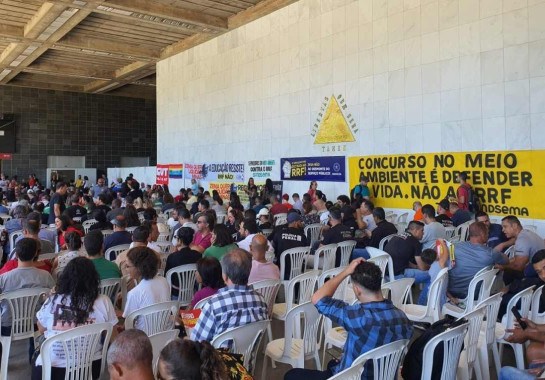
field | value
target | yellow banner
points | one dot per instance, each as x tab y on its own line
506	183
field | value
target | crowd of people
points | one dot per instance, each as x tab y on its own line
234	245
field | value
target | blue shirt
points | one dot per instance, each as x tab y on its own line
117	238
369	325
495	235
460	217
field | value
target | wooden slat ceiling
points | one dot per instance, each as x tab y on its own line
109	46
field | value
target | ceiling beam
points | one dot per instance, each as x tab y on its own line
121	77
259	10
12	31
46	86
47	13
171	12
67	71
108	46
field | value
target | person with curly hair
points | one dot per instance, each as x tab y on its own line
189	360
75	302
142	265
64	226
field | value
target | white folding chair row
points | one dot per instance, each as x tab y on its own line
478	291
155	318
386	361
112	252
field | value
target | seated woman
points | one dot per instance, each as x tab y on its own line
142	265
73	246
209	276
75	302
65	225
222	242
189	360
183	255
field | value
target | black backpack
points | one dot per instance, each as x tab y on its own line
412	365
473	200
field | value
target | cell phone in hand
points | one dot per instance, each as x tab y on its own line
523	325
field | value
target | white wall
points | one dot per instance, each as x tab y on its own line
418	75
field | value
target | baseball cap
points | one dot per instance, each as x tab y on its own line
119	221
293	217
263	211
444	204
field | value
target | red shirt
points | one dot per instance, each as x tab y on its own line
279	208
463	191
12	264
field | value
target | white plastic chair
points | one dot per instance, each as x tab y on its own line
461	232
535	315
13	237
164	246
22	305
346	247
386	361
373	252
245	340
510	252
312	232
156	318
79	345
115	251
298	344
186	282
110	287
450	231
269	290
267	232
508	322
280	219
478	291
385	241
381	261
87	225
130	229
306	282
47	256
432	311
76	219
399	290
163	237
107	233
323	258
297	256
468	360
452	340
158	342
487	336
200	304
220	218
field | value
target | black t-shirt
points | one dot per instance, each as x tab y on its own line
383	229
55	199
403	248
75	211
337	234
104	208
444	220
287	238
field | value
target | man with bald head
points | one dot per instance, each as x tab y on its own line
471	256
261	268
130	356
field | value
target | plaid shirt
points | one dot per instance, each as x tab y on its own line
369	325
232	306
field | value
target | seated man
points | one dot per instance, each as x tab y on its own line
433	230
234	305
261	268
372	239
338	232
120	236
534	333
526	244
496	238
442	213
26	275
291	235
459	216
471	256
93	242
405	250
371	323
130	356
